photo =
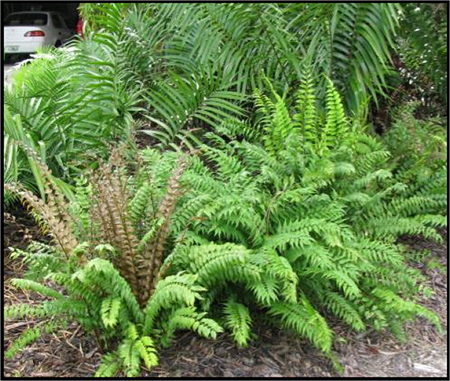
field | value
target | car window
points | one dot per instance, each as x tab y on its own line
26	19
56	21
62	21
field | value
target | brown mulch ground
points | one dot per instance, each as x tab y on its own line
72	353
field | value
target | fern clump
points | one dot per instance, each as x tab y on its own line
321	204
107	261
135	274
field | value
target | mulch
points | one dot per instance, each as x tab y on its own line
273	353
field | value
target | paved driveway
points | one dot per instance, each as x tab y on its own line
7	71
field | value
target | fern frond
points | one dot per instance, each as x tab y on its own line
109	366
237	318
110	311
306	321
306	109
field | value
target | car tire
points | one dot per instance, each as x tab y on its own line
58	44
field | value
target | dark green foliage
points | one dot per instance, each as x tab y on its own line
197	62
350	43
180	69
423	48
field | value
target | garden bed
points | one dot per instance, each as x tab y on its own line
72	353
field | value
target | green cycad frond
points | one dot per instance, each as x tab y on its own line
423	45
346	43
185	102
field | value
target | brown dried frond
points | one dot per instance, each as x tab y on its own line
46	218
151	259
111	211
57	204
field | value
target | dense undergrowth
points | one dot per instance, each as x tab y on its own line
266	196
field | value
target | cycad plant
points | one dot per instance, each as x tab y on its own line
200	61
423	49
66	107
183	69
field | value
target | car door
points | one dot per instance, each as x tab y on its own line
67	32
59	28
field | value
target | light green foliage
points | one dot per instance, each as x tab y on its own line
101	300
188	318
31	335
108	366
238	319
308	127
26	338
419	149
320	218
306	115
277	123
110	311
140	202
336	126
80	206
306	321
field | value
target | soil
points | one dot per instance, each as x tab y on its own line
73	353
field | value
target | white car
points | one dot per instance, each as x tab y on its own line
24	32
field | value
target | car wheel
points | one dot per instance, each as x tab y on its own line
58	44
